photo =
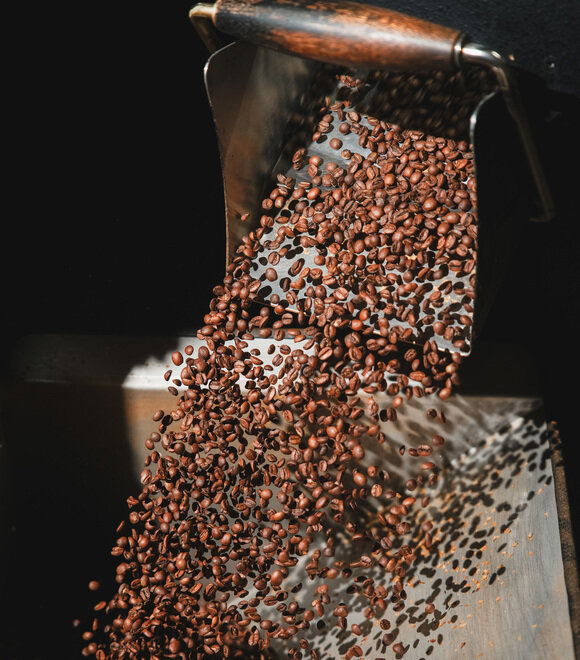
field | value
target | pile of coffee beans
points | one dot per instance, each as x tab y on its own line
257	472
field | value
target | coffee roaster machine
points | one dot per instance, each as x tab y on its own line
506	582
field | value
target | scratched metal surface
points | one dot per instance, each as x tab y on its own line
497	580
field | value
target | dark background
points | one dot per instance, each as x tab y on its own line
118	221
117	227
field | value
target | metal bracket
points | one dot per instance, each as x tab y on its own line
476	54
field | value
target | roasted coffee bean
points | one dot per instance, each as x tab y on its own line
359	479
271	274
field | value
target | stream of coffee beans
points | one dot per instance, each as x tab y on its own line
258	468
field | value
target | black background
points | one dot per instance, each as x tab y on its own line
116	225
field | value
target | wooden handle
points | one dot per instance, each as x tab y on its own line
344	33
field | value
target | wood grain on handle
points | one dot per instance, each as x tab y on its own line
340	32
